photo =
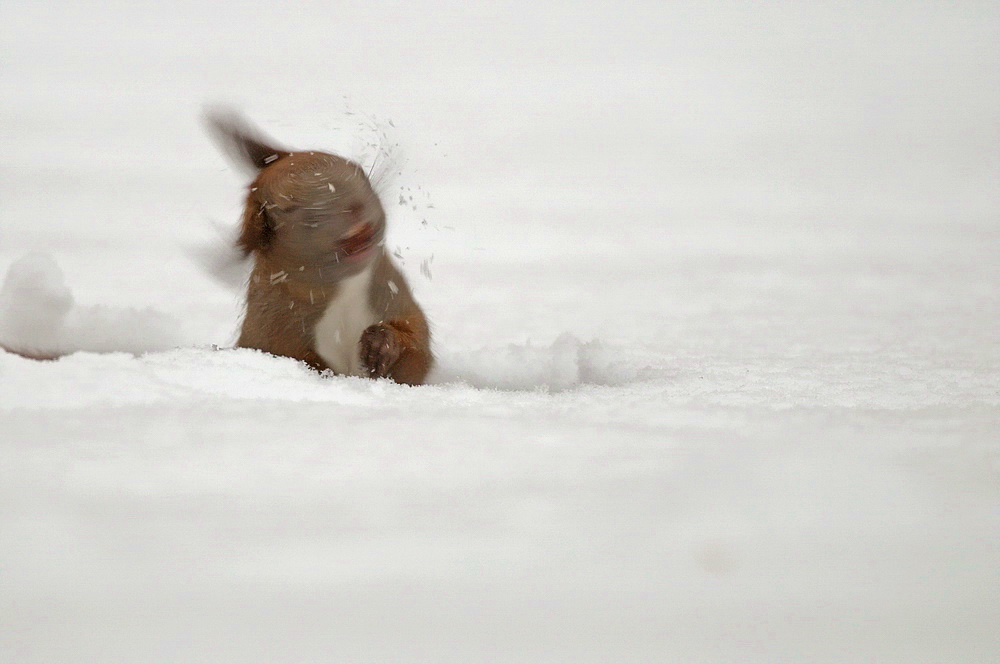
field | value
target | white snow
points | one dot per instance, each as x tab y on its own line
715	298
38	317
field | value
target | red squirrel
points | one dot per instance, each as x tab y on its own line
323	289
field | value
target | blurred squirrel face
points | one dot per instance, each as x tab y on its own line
316	214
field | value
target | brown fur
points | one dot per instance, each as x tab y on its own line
299	205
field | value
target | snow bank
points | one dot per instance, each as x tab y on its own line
39	317
86	378
564	364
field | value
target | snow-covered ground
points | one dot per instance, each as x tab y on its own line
715	292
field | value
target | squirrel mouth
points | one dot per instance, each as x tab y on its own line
357	241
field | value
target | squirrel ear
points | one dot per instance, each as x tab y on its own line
256	230
245	145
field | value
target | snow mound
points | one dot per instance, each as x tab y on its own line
565	364
39	317
85	379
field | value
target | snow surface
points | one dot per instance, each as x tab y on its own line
715	291
39	318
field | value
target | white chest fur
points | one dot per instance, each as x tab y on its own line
339	328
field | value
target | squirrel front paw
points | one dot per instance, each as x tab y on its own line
380	350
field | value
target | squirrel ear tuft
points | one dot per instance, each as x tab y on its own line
243	143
